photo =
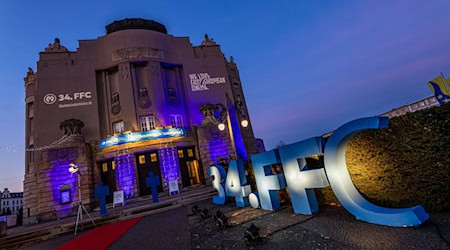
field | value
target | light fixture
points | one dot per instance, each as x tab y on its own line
221	126
244	123
73	168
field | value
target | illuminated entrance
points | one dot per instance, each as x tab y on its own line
146	162
189	167
108	177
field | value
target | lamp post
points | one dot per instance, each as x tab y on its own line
74	168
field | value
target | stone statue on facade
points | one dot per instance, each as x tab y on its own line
31	76
213	113
144	99
56	47
208	42
115	103
71	127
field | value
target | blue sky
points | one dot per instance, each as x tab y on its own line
307	67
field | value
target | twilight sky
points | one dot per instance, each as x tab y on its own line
307	67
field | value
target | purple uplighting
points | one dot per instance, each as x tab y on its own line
125	174
61	179
169	163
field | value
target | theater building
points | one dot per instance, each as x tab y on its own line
130	102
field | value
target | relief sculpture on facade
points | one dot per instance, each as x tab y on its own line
115	103
144	99
136	52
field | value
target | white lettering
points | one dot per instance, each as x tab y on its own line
200	80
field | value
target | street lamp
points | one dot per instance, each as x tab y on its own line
74	168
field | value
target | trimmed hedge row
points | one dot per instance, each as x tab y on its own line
404	165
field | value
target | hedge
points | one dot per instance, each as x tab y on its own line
404	165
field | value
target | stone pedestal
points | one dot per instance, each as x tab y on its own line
53	177
214	145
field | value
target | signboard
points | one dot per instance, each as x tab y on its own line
173	187
118	198
141	136
301	181
200	81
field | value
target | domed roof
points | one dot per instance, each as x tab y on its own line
135	23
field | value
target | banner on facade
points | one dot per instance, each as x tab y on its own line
141	136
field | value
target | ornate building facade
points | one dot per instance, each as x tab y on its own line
133	101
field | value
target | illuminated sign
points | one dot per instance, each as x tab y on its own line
302	181
141	136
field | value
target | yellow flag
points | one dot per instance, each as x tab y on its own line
440	91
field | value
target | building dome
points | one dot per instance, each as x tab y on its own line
135	23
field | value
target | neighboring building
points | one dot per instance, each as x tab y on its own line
133	101
424	103
10	202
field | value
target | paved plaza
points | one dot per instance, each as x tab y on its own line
331	228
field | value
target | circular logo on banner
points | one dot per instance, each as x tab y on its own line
49	98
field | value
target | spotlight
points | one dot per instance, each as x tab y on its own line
220	219
244	123
195	209
221	126
73	168
204	213
252	237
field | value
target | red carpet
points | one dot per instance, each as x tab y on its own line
100	237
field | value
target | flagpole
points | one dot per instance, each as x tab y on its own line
447	85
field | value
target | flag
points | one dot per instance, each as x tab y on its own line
440	91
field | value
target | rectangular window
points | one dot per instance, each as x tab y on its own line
142	159
31	153
190	153
118	127
30	109
180	153
153	157
66	196
176	121
105	167
113	166
31	126
147	123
